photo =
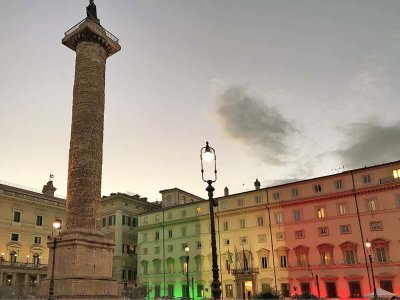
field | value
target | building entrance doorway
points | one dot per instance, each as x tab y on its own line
248	287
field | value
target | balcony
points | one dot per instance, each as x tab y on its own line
25	266
243	271
76	27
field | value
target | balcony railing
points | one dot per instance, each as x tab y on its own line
19	265
245	271
108	34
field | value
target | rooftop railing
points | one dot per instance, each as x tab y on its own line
19	265
108	34
245	271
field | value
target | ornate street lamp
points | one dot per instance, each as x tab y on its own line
187	272
368	245
207	155
56	226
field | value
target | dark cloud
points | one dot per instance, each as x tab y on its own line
370	144
254	123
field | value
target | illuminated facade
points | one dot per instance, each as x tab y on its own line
26	219
286	236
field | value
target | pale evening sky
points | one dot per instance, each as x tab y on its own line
281	90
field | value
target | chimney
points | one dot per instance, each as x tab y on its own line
257	184
49	189
226	191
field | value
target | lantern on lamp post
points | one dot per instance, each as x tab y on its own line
207	156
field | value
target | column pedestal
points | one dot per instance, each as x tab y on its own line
81	271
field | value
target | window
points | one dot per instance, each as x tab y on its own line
331	289
261	238
366	179
170	291
13	257
15	237
305	287
397	201
157	250
396	173
170	248
295	192
226	242
145	221
198	245
243	240
297	215
242	223
339	184
135	222
386	285
380	253
349	257
260	221
103	222
240	202
125	249
282	261
320	212
264	262
285	288
169	216
224	205
302	255
183	246
375	225
144	251
280	236
144	236
183	213
299	234
126	220
111	220
317	188
200	290
258	199
183	231
355	289
17	216
157	218
157	291
145	268
228	291
225	225
323	231
343	208
36	259
157	235
170	265
344	229
170	233
326	254
371	205
39	220
278	218
275	196
37	240
198	210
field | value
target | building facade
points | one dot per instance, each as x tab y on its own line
26	220
302	237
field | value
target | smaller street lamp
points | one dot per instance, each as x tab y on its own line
368	246
54	239
187	272
27	259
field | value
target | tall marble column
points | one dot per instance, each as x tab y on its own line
83	256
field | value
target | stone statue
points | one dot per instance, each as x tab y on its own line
91	11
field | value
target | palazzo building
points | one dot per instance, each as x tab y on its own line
302	237
26	220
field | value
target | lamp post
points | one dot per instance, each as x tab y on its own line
368	245
207	155
57	226
187	273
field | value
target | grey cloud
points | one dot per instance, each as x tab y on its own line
254	123
370	144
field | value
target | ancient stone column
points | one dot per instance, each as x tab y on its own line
83	256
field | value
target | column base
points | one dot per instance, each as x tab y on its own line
83	267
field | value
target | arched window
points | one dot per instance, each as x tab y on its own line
170	265
157	266
13	257
199	261
145	264
380	248
282	255
36	259
263	258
